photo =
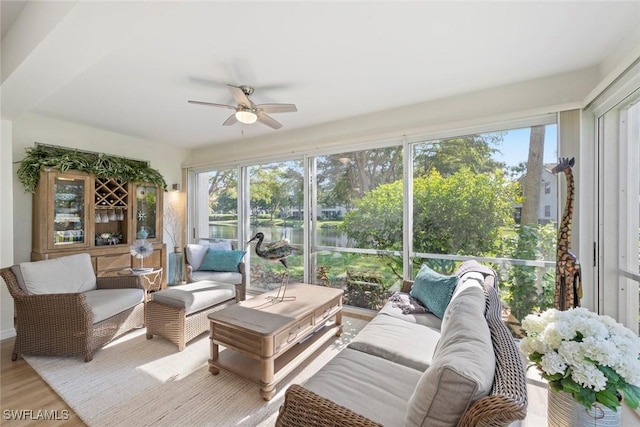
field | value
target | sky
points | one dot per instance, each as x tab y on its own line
515	146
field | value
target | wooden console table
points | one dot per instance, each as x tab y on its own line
266	340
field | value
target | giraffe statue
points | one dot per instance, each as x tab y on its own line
568	278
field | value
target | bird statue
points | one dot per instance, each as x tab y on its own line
276	251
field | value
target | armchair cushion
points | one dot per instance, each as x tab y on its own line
216	260
105	303
68	274
231	278
196	252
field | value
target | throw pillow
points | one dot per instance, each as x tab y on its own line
196	252
216	260
433	290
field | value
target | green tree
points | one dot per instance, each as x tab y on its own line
459	214
448	156
377	220
529	289
263	182
223	192
348	176
275	187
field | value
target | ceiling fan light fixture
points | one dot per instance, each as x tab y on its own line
246	116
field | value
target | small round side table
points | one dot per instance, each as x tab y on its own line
149	278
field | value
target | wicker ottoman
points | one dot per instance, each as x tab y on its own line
180	313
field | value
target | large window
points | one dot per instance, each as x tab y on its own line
357	227
483	196
364	220
276	210
217	206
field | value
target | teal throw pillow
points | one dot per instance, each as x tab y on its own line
221	260
433	290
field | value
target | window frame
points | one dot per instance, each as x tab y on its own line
309	167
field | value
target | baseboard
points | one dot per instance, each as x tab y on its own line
7	333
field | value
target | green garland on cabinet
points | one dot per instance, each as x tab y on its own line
99	164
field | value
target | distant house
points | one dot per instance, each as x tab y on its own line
548	207
324	212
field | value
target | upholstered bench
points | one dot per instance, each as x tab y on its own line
179	314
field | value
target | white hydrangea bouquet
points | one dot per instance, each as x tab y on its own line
589	356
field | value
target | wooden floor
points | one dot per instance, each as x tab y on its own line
25	399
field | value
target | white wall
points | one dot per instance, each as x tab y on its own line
30	128
6	229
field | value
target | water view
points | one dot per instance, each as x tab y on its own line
295	235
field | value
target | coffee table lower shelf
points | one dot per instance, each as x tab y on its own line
257	370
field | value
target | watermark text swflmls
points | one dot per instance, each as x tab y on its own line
36	414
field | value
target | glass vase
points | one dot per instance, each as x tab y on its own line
564	411
176	269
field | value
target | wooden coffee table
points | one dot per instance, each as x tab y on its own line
266	340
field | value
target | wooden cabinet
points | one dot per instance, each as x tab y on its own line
76	212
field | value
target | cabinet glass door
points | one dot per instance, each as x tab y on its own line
69	211
146	213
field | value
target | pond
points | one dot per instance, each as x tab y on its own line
325	236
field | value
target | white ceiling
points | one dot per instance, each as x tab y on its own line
130	67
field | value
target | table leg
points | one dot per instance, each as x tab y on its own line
339	323
267	388
214	353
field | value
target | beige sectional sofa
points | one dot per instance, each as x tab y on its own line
419	370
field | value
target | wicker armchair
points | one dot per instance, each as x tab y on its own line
239	278
506	403
62	324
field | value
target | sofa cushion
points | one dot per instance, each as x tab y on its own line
196	296
463	366
467	280
217	260
68	274
105	303
369	385
397	340
424	319
433	290
196	252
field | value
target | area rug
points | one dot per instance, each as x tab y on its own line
138	382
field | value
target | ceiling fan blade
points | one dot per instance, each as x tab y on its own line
277	108
231	120
269	121
211	104
240	96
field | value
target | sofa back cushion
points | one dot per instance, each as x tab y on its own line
467	280
196	252
69	274
463	366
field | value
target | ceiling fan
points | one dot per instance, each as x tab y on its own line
247	112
